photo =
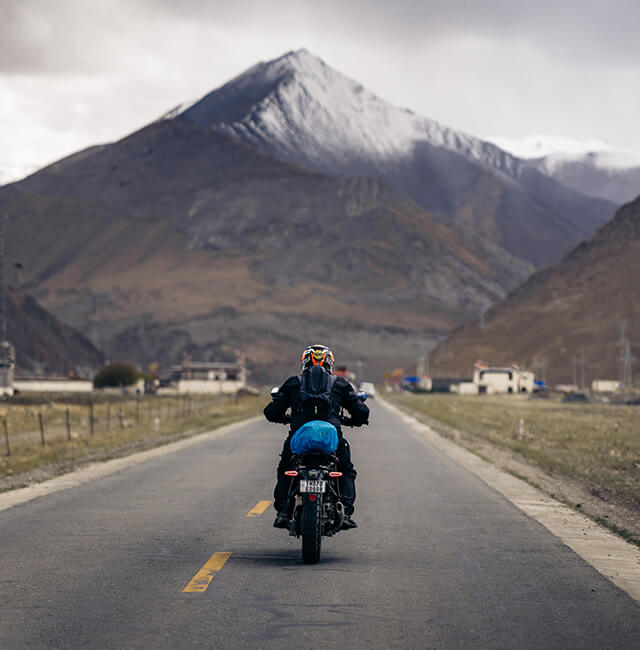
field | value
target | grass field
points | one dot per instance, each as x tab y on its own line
597	443
97	427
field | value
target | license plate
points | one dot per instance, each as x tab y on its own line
312	486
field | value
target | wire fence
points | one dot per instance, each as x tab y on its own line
30	426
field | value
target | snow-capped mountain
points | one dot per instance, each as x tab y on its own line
12	173
297	108
592	167
303	109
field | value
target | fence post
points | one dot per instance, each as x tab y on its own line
122	417
91	419
68	420
138	410
41	422
108	417
6	436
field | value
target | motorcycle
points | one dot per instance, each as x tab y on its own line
316	509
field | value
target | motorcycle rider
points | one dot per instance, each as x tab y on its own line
317	366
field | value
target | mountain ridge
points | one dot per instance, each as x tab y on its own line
44	344
296	108
566	314
179	238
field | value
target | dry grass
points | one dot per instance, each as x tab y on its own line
596	443
120	425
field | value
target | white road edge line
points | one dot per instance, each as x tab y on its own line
609	554
97	470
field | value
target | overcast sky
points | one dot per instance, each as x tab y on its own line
78	72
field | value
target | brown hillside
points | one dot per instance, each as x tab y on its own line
180	239
45	344
564	314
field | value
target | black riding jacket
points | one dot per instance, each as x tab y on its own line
288	396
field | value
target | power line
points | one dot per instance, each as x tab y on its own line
3	228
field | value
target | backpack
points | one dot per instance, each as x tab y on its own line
316	385
316	435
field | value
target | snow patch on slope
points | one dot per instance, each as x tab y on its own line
557	151
312	111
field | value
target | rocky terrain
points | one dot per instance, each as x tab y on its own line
297	108
289	206
591	167
46	345
182	239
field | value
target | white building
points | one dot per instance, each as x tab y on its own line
207	377
52	385
503	380
605	385
464	388
7	368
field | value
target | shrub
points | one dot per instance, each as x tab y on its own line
116	374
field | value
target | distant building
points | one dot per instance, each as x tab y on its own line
566	388
52	385
207	377
7	368
445	384
464	388
503	380
605	385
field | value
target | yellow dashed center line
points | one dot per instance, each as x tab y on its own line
258	509
201	580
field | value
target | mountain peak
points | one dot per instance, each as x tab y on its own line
295	62
297	107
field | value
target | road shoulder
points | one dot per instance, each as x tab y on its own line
609	554
94	471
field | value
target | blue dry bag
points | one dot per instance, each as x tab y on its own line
316	435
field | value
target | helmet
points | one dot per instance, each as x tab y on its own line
317	355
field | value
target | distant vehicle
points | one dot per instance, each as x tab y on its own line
416	384
576	398
368	388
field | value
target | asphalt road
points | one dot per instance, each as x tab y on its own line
439	560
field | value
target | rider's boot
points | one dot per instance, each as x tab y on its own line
348	522
281	502
282	520
348	486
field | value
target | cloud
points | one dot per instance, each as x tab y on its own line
93	71
69	36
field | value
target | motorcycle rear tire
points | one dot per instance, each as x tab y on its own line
311	530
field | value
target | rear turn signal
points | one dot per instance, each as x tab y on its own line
335	474
292	472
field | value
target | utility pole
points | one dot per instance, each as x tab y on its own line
626	359
359	365
3	229
7	353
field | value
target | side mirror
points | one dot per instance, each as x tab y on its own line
274	390
361	395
